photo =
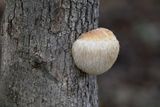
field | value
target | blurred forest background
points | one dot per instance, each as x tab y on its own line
134	81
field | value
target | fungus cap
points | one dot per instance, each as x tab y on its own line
96	51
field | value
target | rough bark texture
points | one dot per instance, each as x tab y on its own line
2	8
37	69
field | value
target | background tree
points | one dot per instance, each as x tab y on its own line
37	69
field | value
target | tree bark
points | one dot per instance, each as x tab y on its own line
37	69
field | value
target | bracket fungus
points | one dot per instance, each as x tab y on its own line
95	52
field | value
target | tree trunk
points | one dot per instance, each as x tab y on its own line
37	69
